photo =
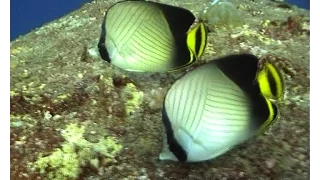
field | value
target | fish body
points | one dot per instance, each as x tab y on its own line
215	107
146	36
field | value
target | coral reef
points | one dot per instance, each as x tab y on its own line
57	82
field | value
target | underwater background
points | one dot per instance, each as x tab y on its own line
27	15
75	116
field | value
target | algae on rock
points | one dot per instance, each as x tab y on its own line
76	151
132	98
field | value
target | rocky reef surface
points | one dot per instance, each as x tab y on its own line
75	116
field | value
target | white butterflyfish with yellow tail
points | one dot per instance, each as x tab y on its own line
146	36
219	105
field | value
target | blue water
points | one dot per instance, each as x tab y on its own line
26	15
300	3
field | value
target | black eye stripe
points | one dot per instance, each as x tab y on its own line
173	144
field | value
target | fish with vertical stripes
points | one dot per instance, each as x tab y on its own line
219	105
147	36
